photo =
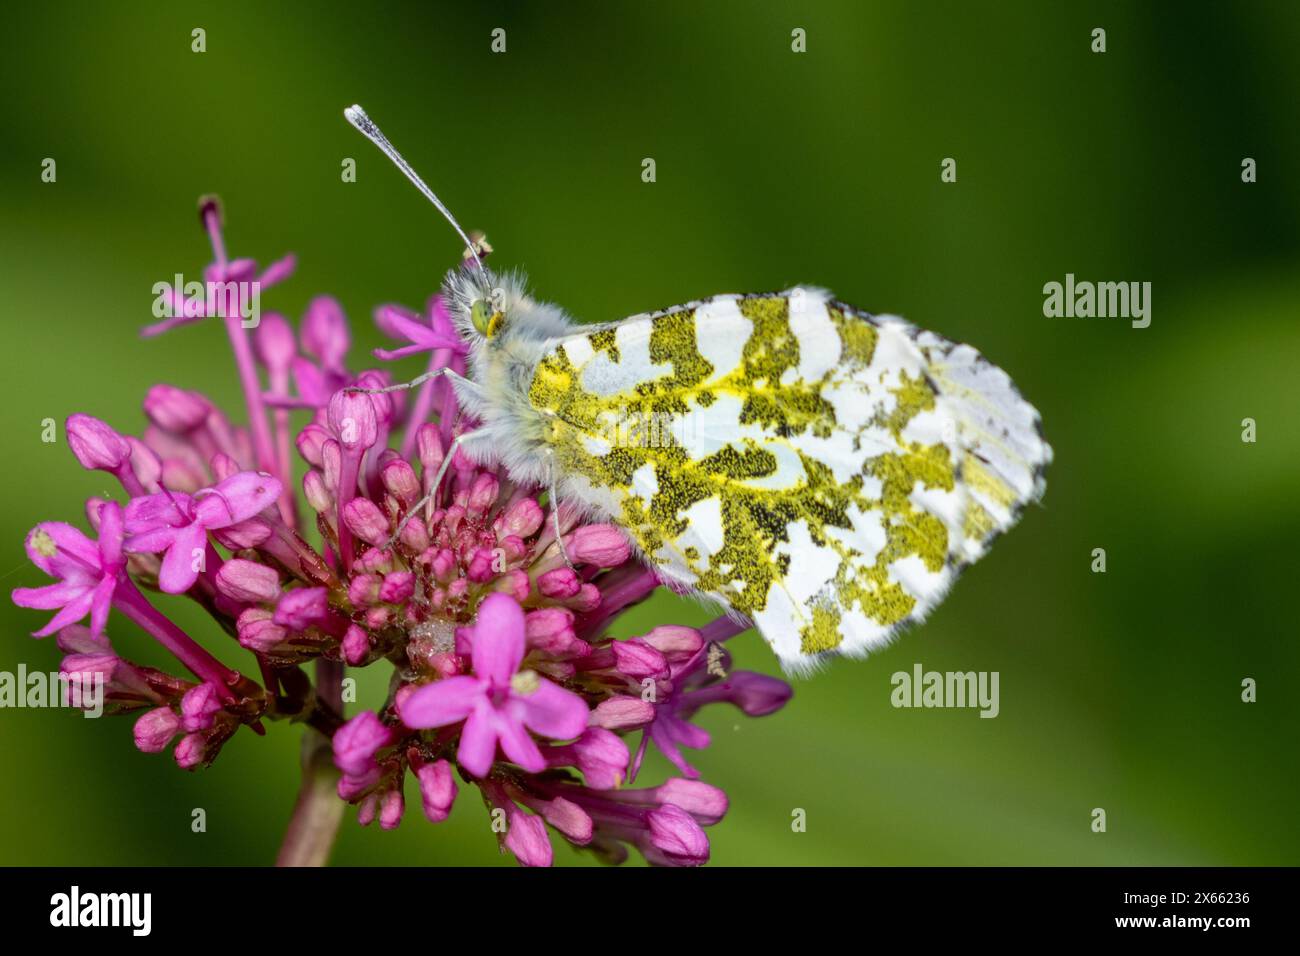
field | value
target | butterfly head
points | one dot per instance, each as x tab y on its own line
487	317
493	310
479	303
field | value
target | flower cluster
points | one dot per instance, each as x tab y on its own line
491	608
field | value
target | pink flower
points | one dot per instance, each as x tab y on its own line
438	593
499	703
88	572
675	834
325	333
248	581
155	729
356	742
179	524
242	272
437	333
437	790
199	706
96	445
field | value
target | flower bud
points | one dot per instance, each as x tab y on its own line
190	752
391	808
248	581
357	742
523	518
352	420
400	481
309	442
302	607
677	836
366	521
199	706
600	544
622	713
355	646
676	643
638	660
259	632
325	332
705	802
482	494
145	464
526	837
95	444
154	729
398	587
559	584
273	342
437	790
175	409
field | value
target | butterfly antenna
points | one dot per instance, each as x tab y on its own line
358	118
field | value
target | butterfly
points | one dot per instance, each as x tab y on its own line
818	471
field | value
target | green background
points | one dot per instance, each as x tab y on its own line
1118	690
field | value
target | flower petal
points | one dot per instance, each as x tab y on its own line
71	614
397	323
178	573
278	271
158	328
661	732
478	741
392	355
152	542
110	533
552	711
164	509
101	602
61	551
51	596
498	639
443	702
237	499
310	381
517	744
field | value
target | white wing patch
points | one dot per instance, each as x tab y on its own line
822	472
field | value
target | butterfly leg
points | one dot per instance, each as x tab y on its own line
436	484
418	380
555	512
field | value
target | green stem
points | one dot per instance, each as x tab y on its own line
318	812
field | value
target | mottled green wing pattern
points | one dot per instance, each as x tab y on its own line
821	472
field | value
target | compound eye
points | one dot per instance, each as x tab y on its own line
480	315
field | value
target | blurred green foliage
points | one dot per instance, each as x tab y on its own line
1118	690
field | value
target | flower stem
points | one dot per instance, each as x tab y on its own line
424	402
203	665
262	443
347	490
318	812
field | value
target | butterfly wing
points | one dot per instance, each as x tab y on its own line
822	472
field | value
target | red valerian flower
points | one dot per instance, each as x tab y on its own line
491	608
